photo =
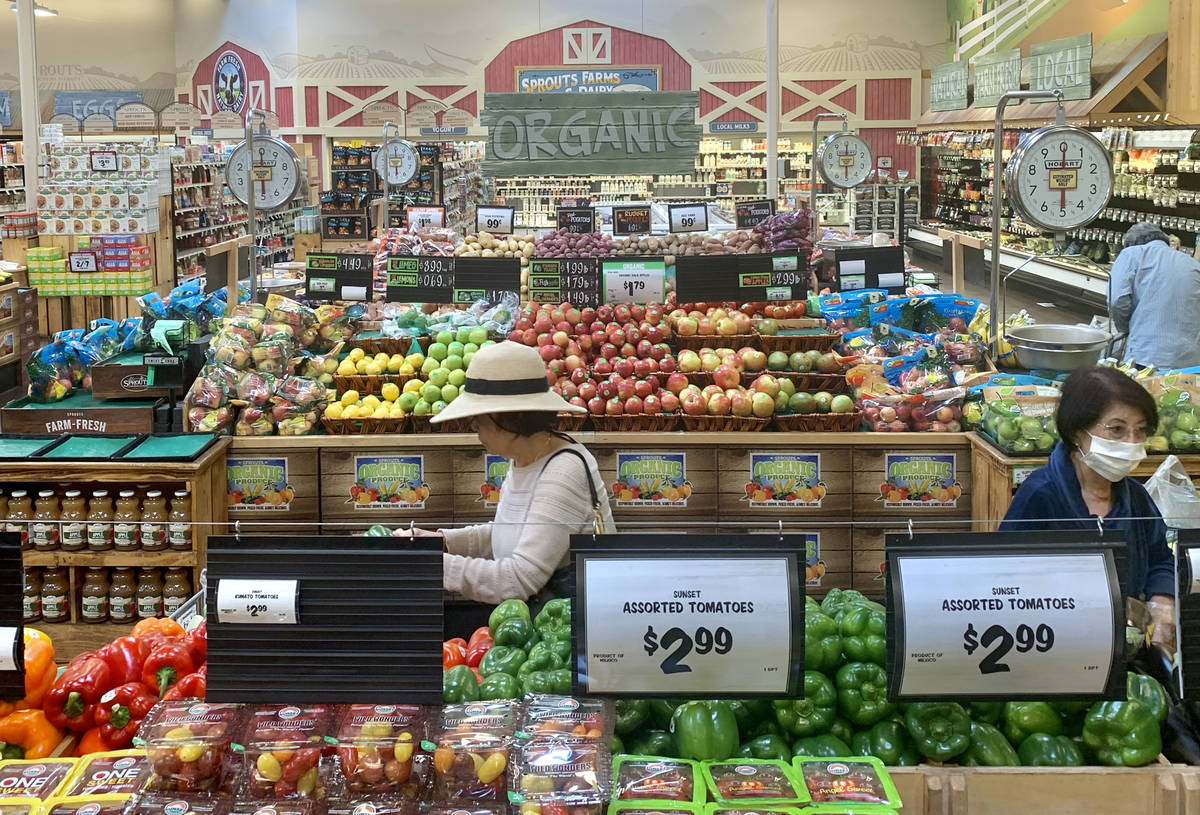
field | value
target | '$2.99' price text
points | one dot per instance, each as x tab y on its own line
679	645
1026	639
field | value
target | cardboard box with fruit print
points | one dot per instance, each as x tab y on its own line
651	479
785	480
259	484
389	482
920	480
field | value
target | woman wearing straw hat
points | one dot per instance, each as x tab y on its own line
552	491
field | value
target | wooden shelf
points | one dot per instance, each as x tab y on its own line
165	558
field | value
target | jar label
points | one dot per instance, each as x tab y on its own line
32	607
121	608
43	535
22	530
54	605
180	536
154	535
172	604
73	536
125	536
95	607
150	606
100	535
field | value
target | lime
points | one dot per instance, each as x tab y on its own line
407	401
431	392
457	378
438	351
421	408
453	363
449	393
437	407
439	377
444	337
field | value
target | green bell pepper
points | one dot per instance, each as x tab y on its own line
653	743
557	683
630	715
1122	733
1043	750
987	712
661	711
862	693
541	658
766	727
766	747
705	731
515	632
561	649
837	599
822	643
554	620
500	686
1069	709
812	714
1023	719
1148	691
459	685
989	748
889	742
507	610
616	746
940	730
749	712
864	634
826	745
502	659
843	729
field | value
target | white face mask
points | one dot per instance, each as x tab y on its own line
1113	460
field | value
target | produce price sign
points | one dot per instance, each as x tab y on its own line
496	220
1187	610
752	213
577	220
427	217
631	220
258	602
82	262
451	280
688	217
658	616
745	278
1005	616
634	280
339	277
572	280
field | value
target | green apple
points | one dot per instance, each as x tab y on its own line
1022	446
439	377
1044	443
444	337
802	403
458	377
1030	428
1180	440
1007	430
777	361
430	392
1185	420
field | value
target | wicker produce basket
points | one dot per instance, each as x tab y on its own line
388	345
363	427
791	343
658	423
812	383
697	341
820	422
699	378
724	424
569	422
366	385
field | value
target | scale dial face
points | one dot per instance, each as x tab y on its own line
1059	178
275	170
845	160
397	162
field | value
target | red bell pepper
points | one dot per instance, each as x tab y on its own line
478	647
197	642
454	652
120	713
481	632
167	664
192	685
71	701
125	657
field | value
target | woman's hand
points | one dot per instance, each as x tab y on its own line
1162	612
415	532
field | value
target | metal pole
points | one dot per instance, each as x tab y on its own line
812	162
31	117
387	186
773	100
998	202
252	223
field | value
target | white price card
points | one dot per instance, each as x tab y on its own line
103	161
1193	556
497	220
426	217
258	602
82	262
1021	626
689	217
8	648
689	626
634	281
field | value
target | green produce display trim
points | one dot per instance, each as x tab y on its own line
22	448
90	446
180	447
81	401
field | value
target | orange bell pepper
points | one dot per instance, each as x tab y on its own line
91	742
30	731
162	626
40	672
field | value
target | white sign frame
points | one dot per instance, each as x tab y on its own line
680	213
503	216
274	602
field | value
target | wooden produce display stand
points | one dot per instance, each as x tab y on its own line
852	488
997	476
204	478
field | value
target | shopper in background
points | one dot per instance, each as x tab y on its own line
1103	419
552	491
1154	297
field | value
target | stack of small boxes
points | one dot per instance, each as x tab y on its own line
124	268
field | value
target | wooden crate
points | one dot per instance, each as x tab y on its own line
868	554
79	413
299	476
870	473
338	477
834	552
467	464
700	473
834	471
1153	790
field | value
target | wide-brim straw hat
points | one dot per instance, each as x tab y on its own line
506	378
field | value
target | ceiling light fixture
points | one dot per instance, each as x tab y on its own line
38	10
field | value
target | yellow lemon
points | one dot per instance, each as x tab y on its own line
406	369
349	397
348	412
356	354
346	368
413	386
361	365
371	401
381	412
394	364
334	411
395	411
415	360
391	391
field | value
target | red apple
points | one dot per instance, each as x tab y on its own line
606	390
557	366
588	315
739	404
544	339
568	390
625	389
628	350
652	405
710	391
577	401
670	403
687	327
641	368
560	338
719	405
557	315
644	347
668	364
617	337
609	351
586	344
660	351
642	388
599	337
693	404
516	335
633	405
742	321
587	390
623	366
549	352
632	334
762	405
622	313
614	407
529	337
543	324
676	382
595	406
637	312
603	367
654	313
605	313
767	384
726	376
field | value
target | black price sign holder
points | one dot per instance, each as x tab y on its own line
366	629
744	278
1187	611
631	220
704	616
572	280
165	371
339	276
577	220
1006	615
12	625
752	213
456	280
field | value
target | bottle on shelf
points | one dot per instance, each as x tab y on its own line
126	529
56	594
20	513
43	530
3	509
100	522
31	601
177	589
154	522
149	593
179	523
122	595
94	600
74	526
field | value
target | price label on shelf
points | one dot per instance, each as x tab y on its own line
574	280
633	280
82	262
631	220
104	161
451	280
745	278
426	217
752	213
339	276
688	217
1020	625
258	602
497	220
577	220
688	626
10	640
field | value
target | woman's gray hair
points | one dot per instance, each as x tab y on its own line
1144	233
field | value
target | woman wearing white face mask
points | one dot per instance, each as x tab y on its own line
1103	419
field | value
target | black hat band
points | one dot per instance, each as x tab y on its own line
506	387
